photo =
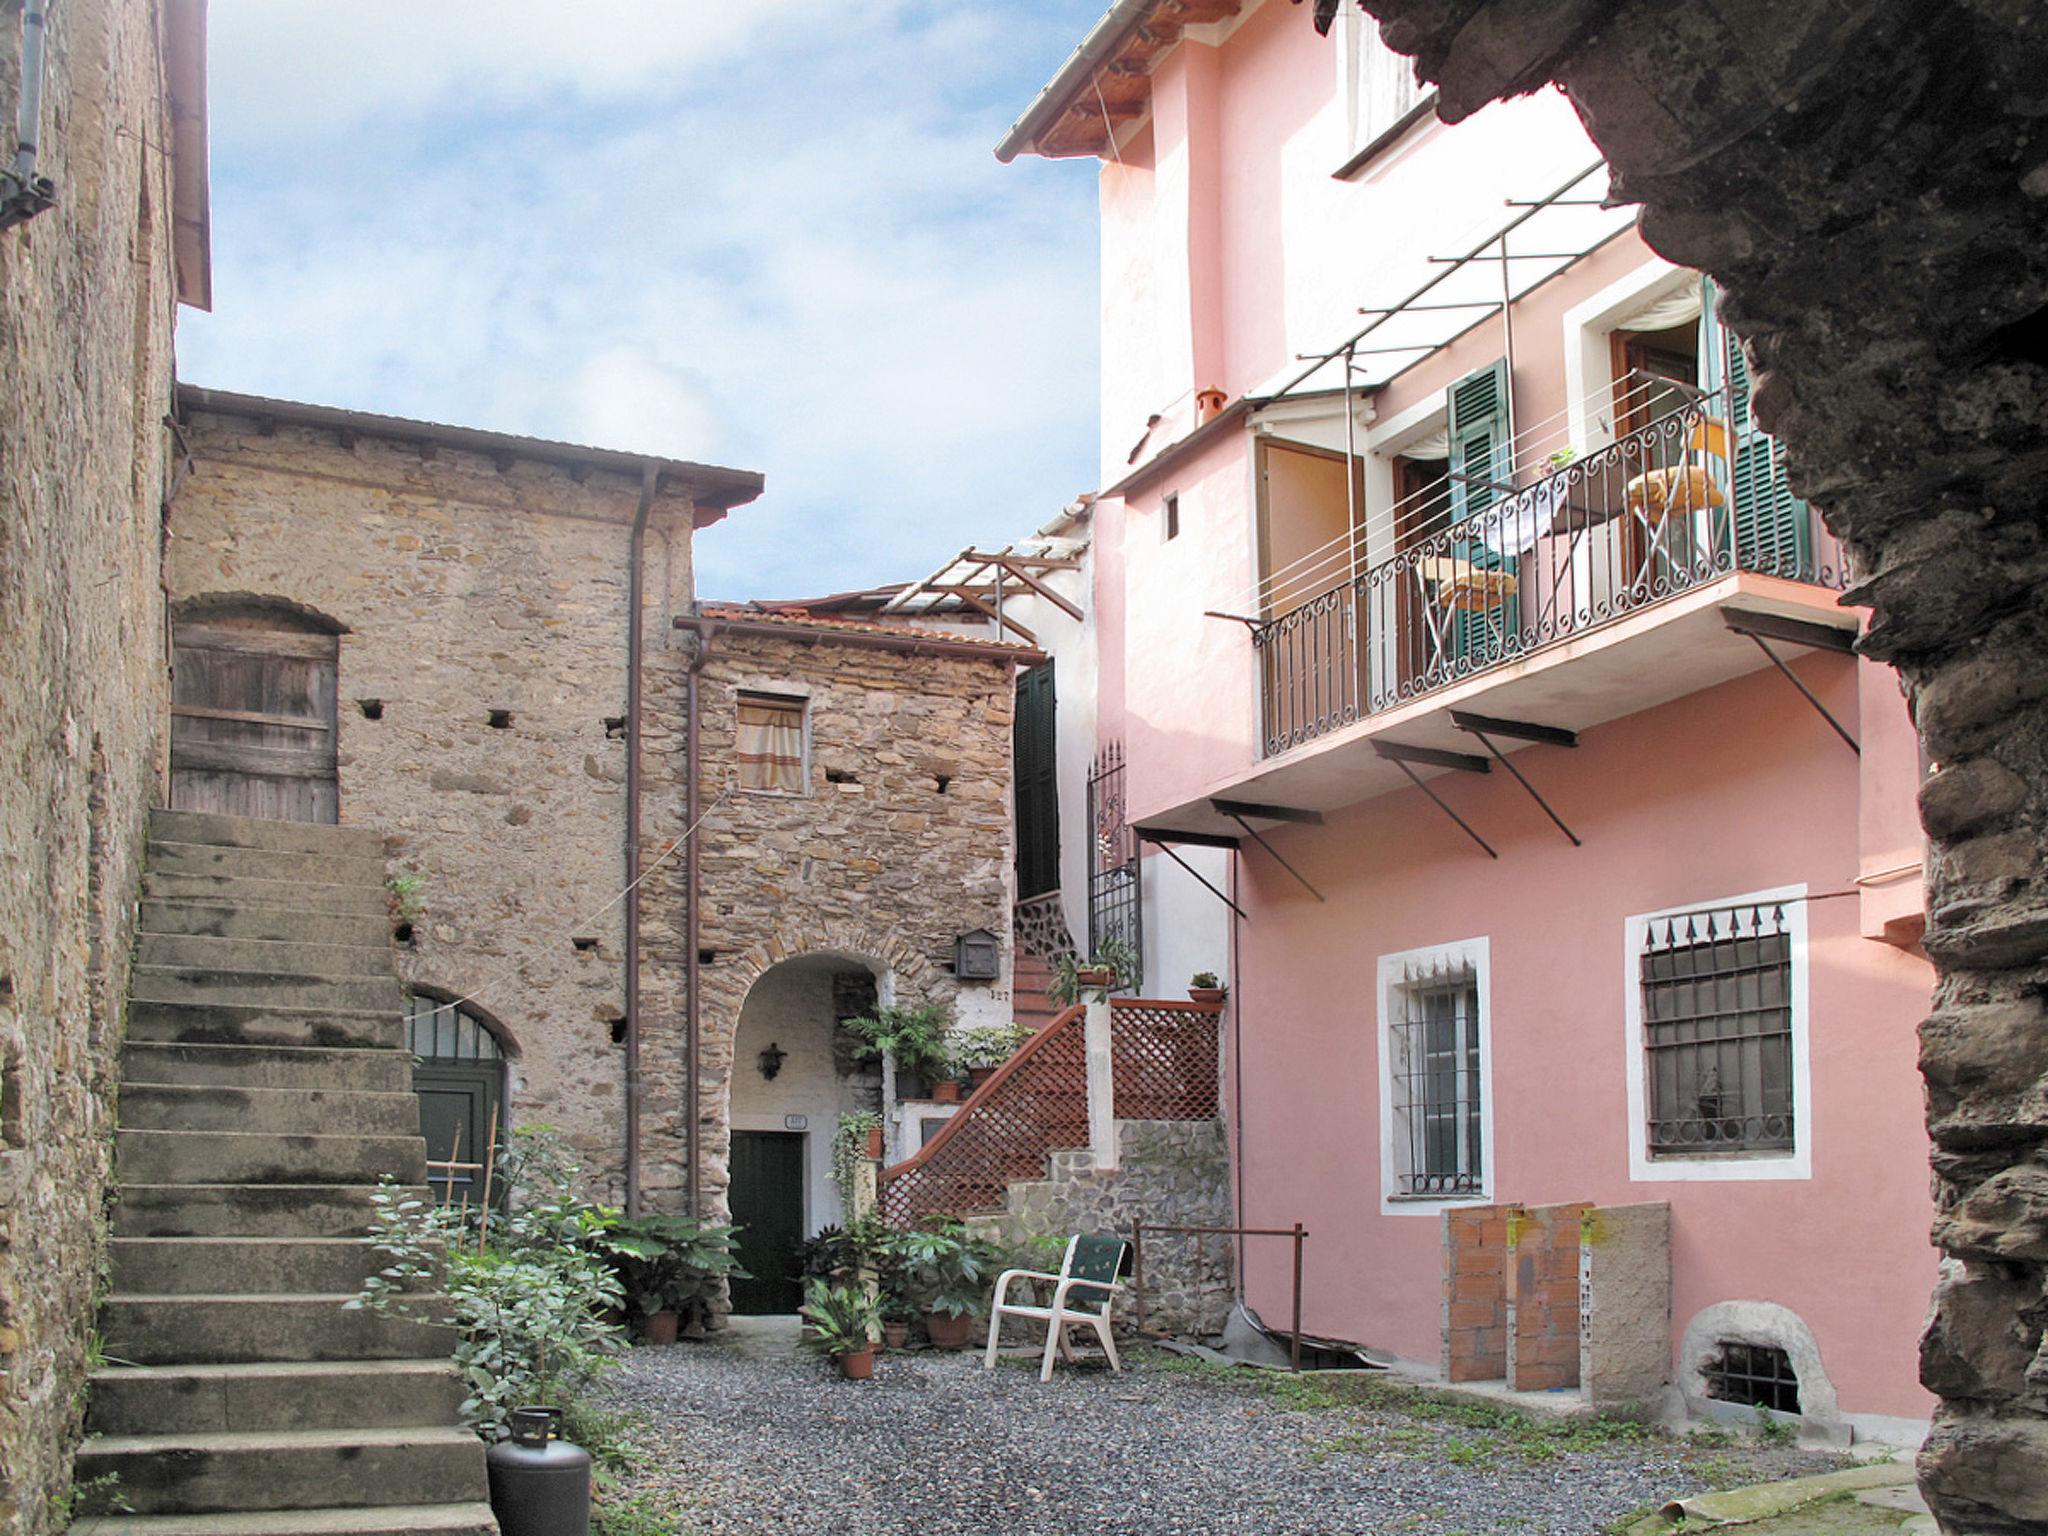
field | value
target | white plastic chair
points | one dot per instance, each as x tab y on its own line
1087	1279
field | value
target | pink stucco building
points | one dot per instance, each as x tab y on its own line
1458	626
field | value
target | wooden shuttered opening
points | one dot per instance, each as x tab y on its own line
1482	467
1036	758
1773	528
253	716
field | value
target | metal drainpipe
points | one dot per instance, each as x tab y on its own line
24	194
692	901
650	479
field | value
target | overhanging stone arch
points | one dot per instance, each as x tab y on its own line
1867	181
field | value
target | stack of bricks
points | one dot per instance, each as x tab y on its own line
1543	1302
1475	1334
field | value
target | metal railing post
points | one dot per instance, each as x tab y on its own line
1138	1269
1295	1352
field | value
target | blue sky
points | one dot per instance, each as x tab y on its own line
765	233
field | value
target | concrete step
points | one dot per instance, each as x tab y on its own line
195	1022
208	984
202	1063
265	894
382	1520
299	1394
268	864
252	832
199	1473
229	1329
276	1111
248	1210
224	920
288	957
192	1266
258	1157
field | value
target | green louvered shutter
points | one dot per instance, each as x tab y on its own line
1478	431
1773	530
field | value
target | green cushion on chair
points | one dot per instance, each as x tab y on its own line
1094	1258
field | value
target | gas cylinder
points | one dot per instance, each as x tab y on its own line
540	1484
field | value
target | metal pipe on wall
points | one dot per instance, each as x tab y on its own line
650	480
24	194
692	899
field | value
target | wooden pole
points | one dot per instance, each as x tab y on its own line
483	1220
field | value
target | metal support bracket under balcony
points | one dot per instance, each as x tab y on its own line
1401	756
1759	626
1238	810
1163	840
1486	727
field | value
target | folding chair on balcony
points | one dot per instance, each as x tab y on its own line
1082	1292
1658	498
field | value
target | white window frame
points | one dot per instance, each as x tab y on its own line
1471	954
1362	58
1643	1168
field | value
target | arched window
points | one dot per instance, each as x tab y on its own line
459	1074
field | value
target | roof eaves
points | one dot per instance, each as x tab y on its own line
1051	103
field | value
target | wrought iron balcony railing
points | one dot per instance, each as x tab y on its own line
1665	509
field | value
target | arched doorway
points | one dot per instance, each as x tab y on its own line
252	711
459	1073
792	1078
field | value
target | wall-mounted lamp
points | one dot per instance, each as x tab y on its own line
772	1060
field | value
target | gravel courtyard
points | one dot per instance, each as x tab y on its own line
746	1436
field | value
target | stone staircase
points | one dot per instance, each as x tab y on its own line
1030	983
265	1086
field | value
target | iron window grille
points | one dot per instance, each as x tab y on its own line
1754	1375
1115	908
1436	1076
1717	1031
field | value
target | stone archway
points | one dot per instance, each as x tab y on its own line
1868	184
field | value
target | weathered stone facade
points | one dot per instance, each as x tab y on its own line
902	841
1170	1173
467	584
1868	184
88	292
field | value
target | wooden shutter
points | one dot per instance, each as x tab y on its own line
1477	408
1773	528
252	717
1036	758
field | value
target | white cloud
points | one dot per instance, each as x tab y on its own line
780	242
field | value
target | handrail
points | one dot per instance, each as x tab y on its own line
1001	1075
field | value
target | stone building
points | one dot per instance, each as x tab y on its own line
463	602
93	265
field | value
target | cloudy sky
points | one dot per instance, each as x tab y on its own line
764	233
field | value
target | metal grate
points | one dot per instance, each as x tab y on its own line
1167	1060
438	1031
1434	1057
1717	1031
1115	910
1755	1375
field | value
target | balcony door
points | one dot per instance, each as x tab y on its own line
1773	529
1035	752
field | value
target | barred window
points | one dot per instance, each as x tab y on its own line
1717	993
1436	1078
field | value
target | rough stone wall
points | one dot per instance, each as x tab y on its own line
86	313
465	587
1868	184
1172	1173
902	842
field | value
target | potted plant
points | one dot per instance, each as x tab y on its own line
944	1274
914	1038
979	1049
1203	987
670	1268
843	1322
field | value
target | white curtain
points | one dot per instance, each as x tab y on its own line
772	745
1680	307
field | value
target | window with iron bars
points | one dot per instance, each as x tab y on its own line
1717	987
1437	1078
1755	1375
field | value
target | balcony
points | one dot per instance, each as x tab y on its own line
1643	520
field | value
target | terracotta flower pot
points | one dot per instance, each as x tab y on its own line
945	1091
659	1328
895	1335
859	1366
874	1141
1096	975
948	1331
976	1076
1210	996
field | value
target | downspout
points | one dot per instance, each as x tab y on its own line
24	194
692	901
650	478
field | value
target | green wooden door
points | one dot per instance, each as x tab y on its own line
768	1206
1773	529
1035	750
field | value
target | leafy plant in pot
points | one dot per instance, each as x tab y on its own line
1114	968
914	1038
843	1321
944	1273
1203	987
979	1049
671	1268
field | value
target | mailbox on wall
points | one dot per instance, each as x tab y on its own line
977	956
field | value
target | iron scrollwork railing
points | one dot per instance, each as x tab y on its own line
1116	912
1660	511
